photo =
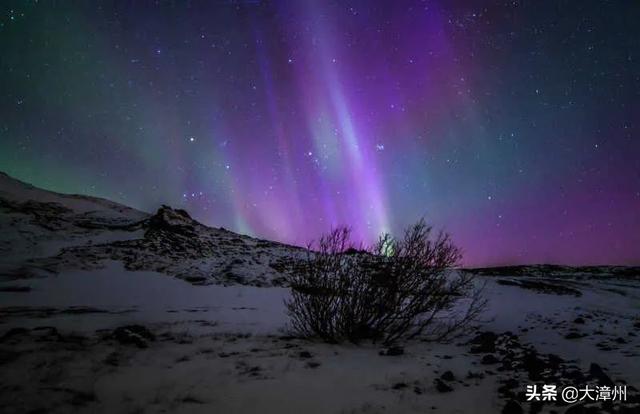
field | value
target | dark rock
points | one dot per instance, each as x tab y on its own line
254	371
136	335
489	359
542	287
509	385
46	333
288	338
582	409
507	365
603	346
399	386
512	407
484	343
535	407
112	359
392	351
627	410
480	349
15	289
305	354
191	400
13	332
475	375
596	372
82	398
442	386
575	376
554	361
71	339
7	356
312	364
534	366
169	219
81	310
579	320
448	376
195	279
574	335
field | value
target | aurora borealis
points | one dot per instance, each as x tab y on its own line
511	124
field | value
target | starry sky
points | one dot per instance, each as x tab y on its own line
513	125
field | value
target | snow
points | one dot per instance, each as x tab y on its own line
45	230
511	308
14	190
152	298
68	281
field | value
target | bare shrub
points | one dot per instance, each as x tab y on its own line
396	289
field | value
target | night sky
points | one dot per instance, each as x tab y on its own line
514	125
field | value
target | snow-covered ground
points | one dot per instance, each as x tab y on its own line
115	296
97	315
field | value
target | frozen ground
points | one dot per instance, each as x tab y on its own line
95	317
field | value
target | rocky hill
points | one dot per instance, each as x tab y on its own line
46	231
